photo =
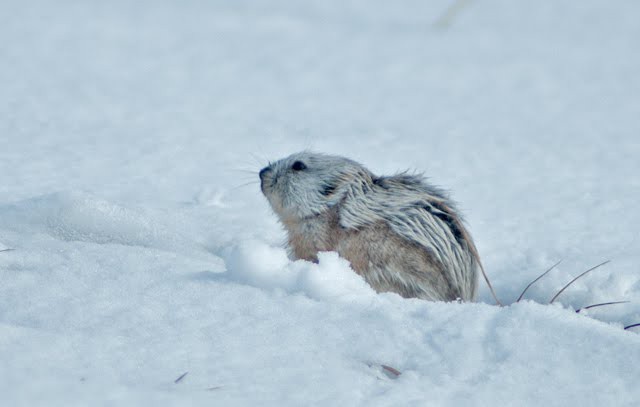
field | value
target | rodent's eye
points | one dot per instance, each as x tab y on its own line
298	166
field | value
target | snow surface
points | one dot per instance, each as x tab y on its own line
131	134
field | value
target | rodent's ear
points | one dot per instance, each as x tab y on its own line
380	181
328	189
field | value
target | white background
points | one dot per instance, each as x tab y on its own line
131	134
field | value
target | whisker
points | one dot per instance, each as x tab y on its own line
258	160
252	172
245	184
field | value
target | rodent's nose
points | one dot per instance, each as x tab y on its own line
264	171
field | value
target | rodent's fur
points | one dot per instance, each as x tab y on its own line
400	233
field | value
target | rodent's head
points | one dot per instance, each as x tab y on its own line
308	184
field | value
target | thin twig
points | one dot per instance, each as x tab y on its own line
6	250
388	369
572	281
602	304
179	379
493	293
534	281
447	17
631	326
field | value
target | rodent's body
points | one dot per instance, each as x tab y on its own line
401	234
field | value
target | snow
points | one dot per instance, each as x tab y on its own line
267	267
131	134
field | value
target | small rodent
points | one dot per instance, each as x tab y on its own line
398	232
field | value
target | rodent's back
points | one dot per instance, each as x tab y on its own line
399	233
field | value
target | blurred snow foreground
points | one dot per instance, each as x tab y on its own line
135	245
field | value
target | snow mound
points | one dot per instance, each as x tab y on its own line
73	216
76	216
257	264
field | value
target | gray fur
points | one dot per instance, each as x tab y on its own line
400	233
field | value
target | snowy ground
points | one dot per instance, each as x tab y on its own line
129	132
